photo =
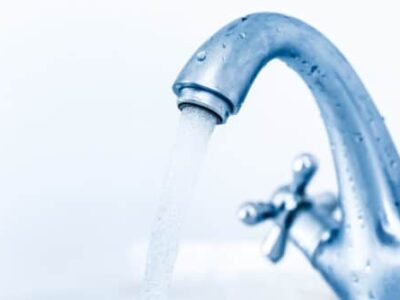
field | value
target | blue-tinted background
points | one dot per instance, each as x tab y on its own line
87	118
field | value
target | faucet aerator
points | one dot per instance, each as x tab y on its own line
207	100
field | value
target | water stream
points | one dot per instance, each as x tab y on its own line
194	131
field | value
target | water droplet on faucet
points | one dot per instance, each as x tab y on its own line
358	137
201	55
355	278
313	69
360	219
368	265
393	163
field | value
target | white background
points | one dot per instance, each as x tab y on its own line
87	118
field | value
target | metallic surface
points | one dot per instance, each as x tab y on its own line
362	260
302	219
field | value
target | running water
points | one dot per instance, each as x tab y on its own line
195	128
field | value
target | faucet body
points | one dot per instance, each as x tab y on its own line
362	259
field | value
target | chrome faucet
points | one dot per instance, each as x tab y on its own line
355	246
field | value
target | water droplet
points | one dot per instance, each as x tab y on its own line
355	278
371	295
231	28
201	55
242	35
293	55
360	220
368	265
313	69
223	45
393	163
358	137
244	19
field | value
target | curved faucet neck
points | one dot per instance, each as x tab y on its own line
220	73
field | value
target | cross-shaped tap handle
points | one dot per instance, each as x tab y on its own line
282	207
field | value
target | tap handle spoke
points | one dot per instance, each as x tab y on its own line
252	213
274	244
282	207
304	167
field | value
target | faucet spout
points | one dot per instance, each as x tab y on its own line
218	77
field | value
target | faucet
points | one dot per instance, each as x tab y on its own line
357	250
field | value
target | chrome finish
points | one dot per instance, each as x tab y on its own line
252	213
290	207
362	260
